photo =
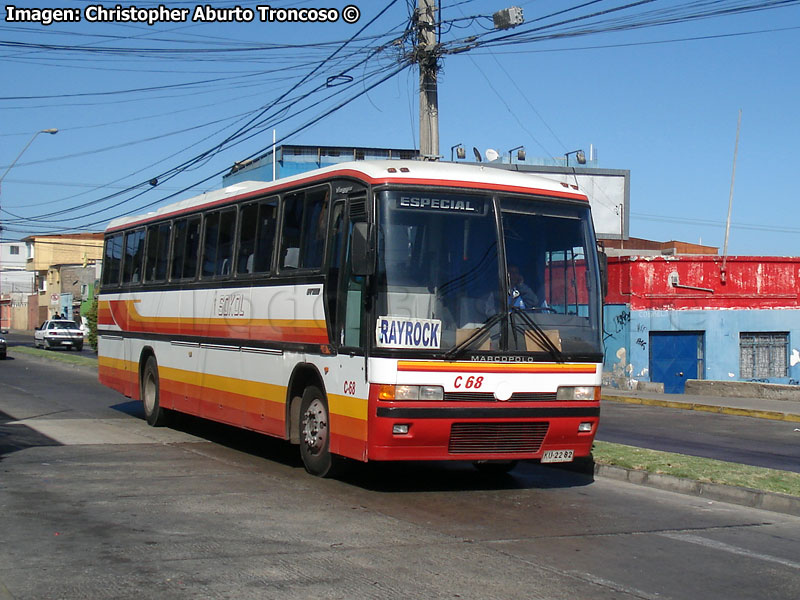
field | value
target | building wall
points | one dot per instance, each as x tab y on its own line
51	250
13	255
755	295
627	346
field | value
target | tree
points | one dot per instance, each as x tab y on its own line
91	317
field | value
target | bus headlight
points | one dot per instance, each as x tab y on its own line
578	392
411	393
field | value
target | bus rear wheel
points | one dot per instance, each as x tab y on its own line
155	415
315	434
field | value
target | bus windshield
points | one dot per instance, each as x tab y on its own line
442	287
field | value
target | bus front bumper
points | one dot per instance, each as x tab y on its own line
523	432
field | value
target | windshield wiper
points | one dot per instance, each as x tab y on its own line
476	336
538	334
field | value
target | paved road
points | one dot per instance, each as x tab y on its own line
745	440
96	504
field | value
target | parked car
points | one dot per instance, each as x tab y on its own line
58	333
3	347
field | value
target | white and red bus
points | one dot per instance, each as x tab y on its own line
391	310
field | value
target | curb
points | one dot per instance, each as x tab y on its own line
726	410
770	501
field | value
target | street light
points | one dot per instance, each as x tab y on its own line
460	152
579	155
51	131
520	154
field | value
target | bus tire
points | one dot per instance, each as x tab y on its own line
314	433
153	413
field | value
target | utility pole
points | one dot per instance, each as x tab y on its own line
427	58
427	53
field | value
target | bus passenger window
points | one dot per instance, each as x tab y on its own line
157	252
186	242
210	245
290	234
112	260
305	227
315	229
134	251
256	235
218	245
227	230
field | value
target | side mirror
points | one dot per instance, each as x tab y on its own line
602	258
362	250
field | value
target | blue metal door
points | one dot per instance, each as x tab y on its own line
675	356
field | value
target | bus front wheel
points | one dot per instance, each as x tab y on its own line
155	415
315	434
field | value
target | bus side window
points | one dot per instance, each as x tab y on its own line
265	237
315	228
256	236
211	235
186	242
218	242
305	225
112	260
134	251
227	231
157	252
290	232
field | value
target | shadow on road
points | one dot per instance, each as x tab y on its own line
15	436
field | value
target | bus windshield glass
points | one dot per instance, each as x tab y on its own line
442	288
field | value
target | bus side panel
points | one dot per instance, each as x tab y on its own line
113	370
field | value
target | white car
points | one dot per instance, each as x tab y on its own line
58	333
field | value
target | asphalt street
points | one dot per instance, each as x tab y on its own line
740	439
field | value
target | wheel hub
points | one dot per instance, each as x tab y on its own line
315	426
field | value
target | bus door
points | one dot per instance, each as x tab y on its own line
346	308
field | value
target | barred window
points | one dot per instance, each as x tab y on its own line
763	355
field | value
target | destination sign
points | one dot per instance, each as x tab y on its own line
402	332
460	204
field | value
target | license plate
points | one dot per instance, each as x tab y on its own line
554	456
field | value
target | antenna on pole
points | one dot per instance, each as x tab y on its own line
722	273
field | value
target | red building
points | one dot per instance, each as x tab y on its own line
672	318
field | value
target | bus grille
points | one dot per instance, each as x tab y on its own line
470	438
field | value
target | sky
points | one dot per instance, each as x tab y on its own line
655	87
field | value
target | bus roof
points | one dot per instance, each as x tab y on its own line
411	172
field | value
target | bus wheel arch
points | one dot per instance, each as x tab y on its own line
303	376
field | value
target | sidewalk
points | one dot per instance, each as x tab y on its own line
779	410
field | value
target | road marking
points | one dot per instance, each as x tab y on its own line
696	539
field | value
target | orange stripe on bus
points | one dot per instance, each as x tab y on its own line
125	314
